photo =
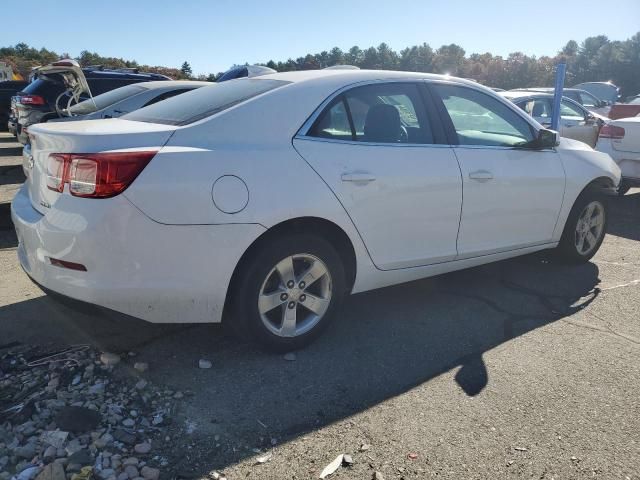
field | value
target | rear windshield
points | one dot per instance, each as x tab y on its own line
45	88
106	99
203	102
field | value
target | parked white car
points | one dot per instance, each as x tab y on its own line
123	100
621	140
265	200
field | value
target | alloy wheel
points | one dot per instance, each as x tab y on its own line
295	295
589	228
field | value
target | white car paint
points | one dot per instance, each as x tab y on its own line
625	151
165	249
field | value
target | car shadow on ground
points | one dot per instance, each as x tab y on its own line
625	215
383	344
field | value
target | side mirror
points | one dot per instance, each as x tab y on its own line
547	138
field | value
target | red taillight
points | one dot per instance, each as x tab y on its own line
96	175
56	171
31	100
611	131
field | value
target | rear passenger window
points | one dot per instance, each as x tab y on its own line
378	113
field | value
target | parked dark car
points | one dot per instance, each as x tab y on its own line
7	90
62	84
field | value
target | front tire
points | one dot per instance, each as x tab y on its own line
288	292
623	188
585	228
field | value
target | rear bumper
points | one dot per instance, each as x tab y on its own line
159	273
629	162
12	126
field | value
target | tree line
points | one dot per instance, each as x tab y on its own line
595	59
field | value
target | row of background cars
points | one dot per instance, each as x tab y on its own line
64	91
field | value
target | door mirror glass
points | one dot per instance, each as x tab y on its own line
547	138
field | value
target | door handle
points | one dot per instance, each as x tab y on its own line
358	177
481	175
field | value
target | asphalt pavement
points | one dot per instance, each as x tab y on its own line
519	369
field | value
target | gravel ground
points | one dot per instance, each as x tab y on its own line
520	369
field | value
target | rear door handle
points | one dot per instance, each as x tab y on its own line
358	177
481	175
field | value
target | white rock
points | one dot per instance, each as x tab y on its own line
108	358
204	363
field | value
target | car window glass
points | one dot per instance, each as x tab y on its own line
203	102
380	113
538	108
480	119
165	95
568	110
104	100
333	122
588	100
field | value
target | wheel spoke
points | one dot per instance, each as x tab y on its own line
316	304
596	220
289	317
313	273
580	243
269	301
590	209
285	270
591	238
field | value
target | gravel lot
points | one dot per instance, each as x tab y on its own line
521	369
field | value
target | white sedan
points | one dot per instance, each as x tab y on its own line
263	201
621	139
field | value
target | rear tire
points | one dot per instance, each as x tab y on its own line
288	291
585	228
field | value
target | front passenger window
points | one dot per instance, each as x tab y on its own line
480	119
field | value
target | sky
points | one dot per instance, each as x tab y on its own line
216	34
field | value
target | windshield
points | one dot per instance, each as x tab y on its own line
105	99
203	102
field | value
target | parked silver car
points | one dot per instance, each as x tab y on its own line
576	122
606	91
126	99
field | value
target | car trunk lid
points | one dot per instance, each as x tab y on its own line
90	136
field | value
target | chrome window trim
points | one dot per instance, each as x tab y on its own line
371	144
303	132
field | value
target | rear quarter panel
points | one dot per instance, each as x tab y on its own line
253	143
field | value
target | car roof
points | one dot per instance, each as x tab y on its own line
171	84
353	76
547	89
522	95
90	72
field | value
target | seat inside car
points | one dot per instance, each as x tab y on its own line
382	124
